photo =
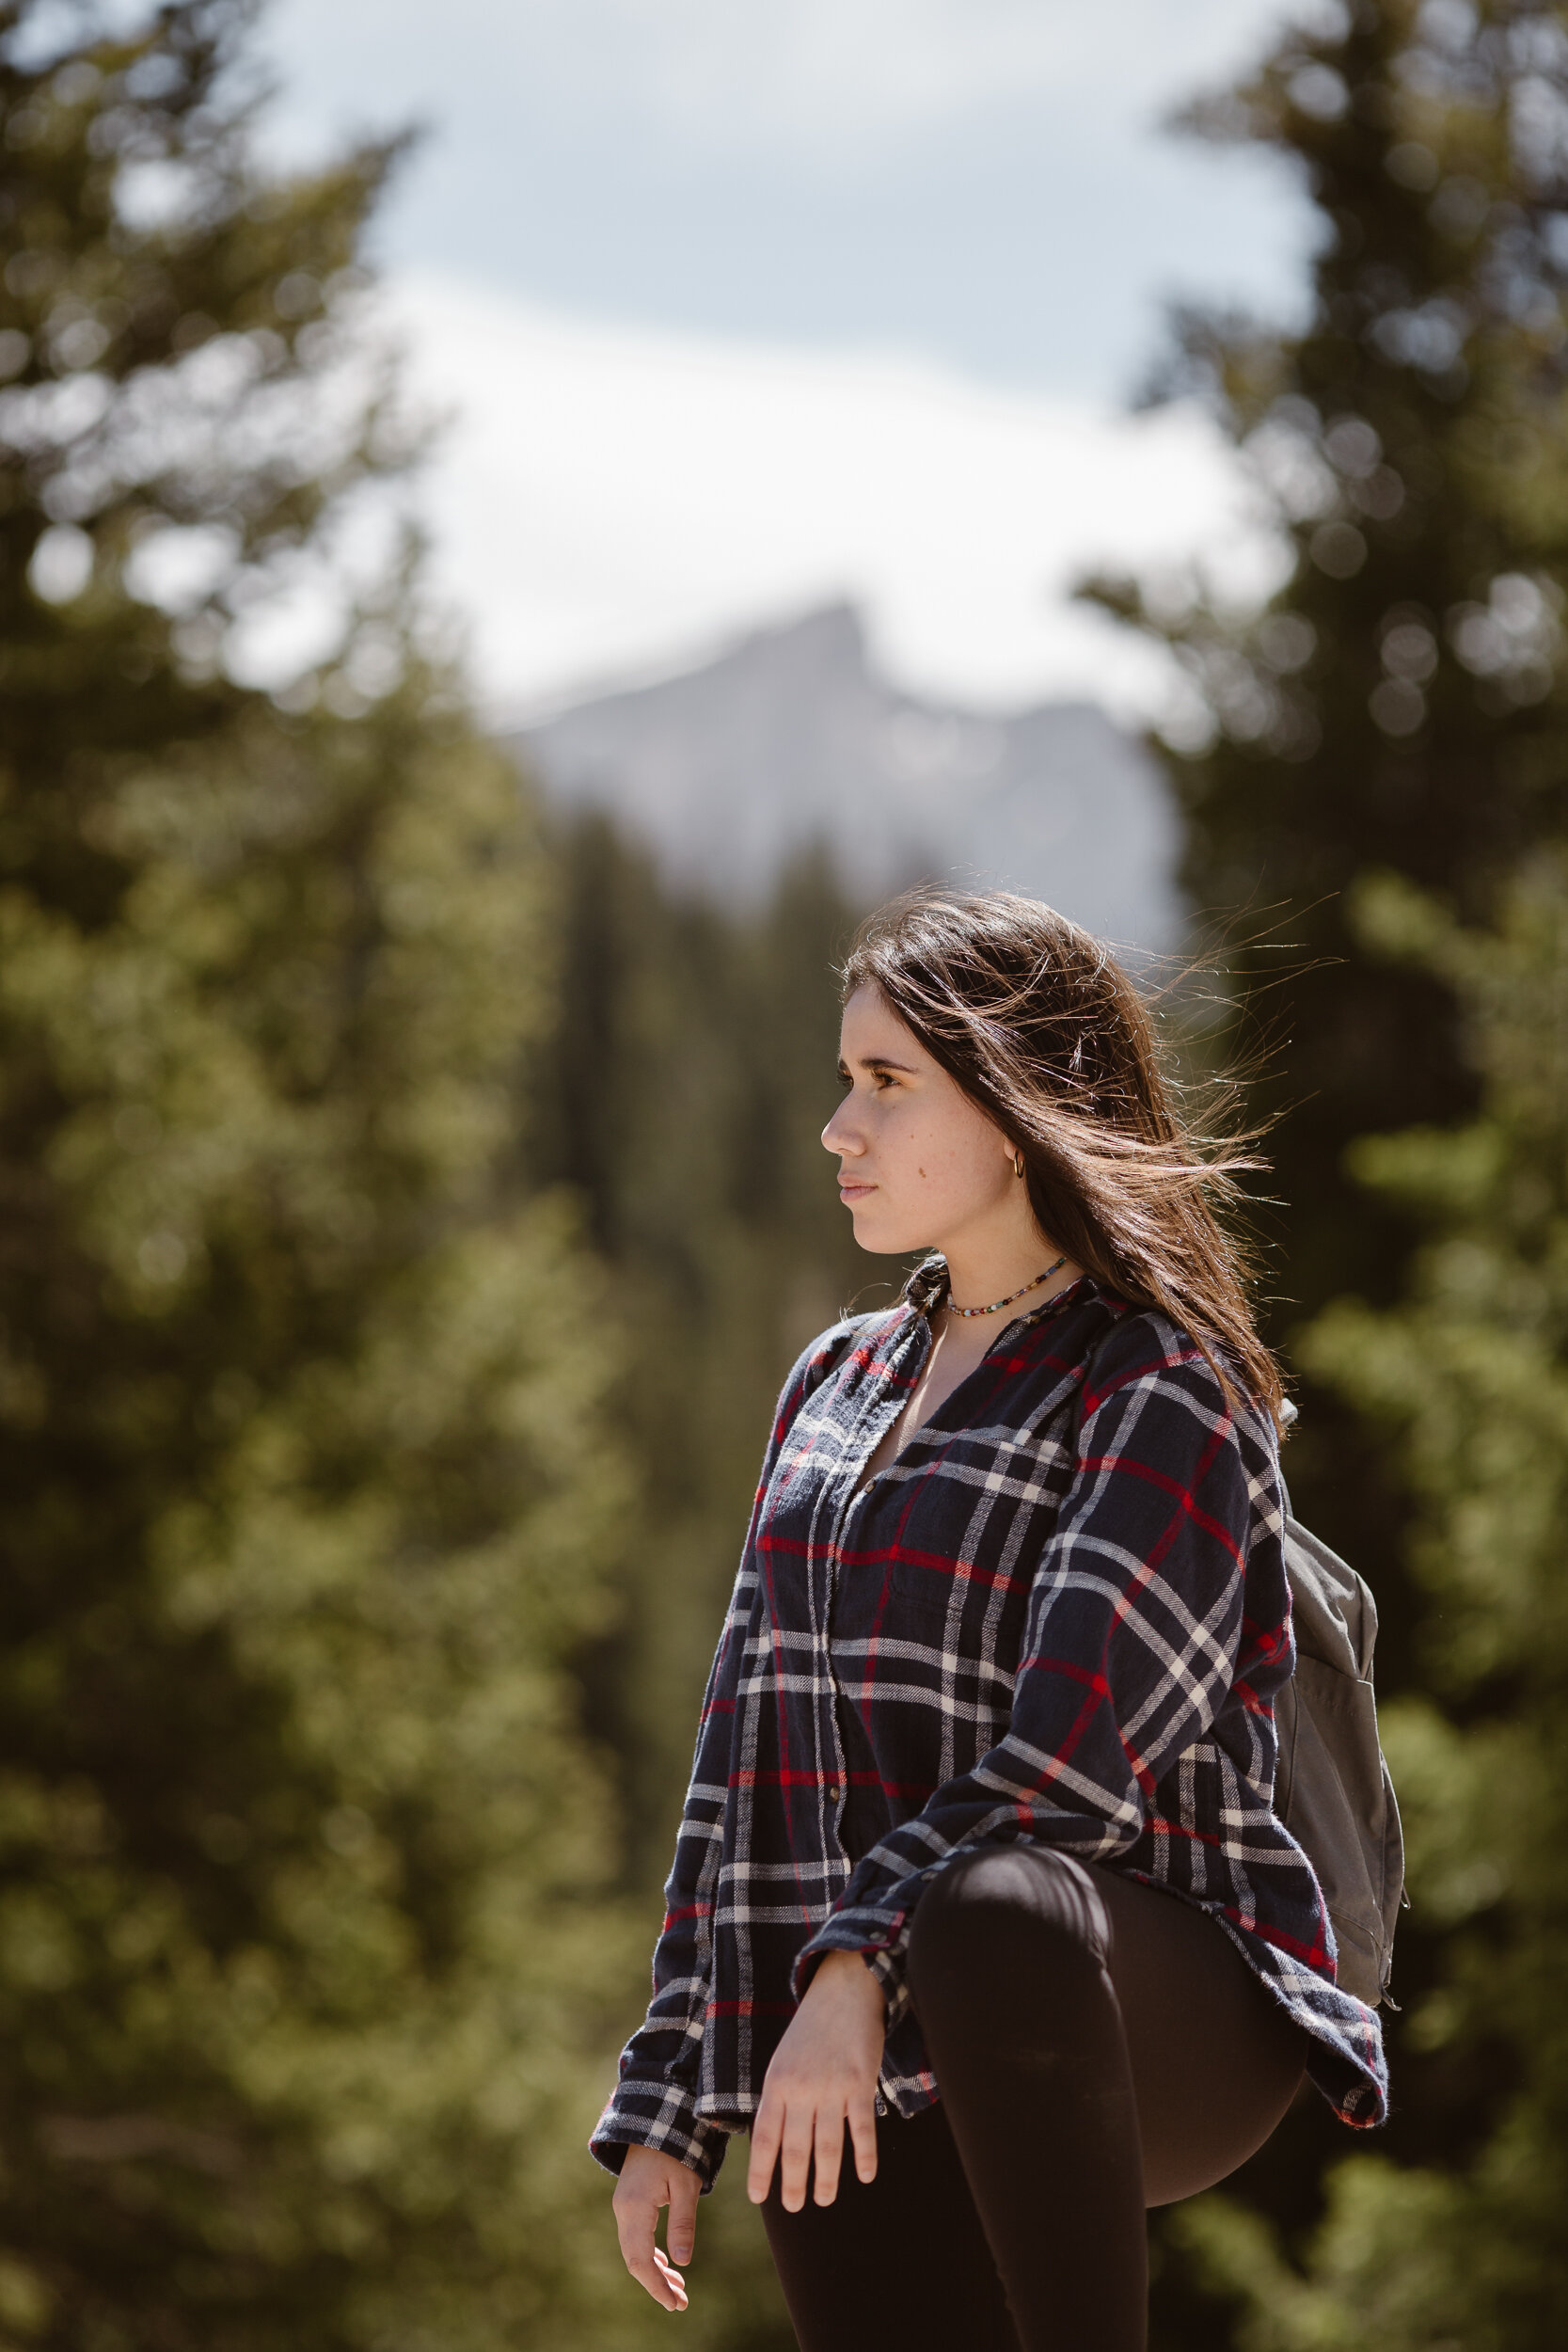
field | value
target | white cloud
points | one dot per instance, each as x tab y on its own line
611	501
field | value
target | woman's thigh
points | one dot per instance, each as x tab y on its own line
901	2259
1216	2061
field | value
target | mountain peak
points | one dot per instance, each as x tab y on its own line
788	739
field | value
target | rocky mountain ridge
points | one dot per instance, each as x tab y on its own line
789	740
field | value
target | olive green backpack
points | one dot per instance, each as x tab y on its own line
1332	1790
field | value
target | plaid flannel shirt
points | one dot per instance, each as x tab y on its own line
1060	1614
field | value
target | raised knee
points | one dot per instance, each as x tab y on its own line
998	1903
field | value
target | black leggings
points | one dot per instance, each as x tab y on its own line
1101	2047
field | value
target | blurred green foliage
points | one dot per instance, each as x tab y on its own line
311	1949
1396	704
681	1095
409	1219
1372	771
1467	1378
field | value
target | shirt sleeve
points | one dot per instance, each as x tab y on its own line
1128	1651
653	2104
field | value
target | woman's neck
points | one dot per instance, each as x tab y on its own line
985	1267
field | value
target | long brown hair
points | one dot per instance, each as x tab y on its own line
1042	1028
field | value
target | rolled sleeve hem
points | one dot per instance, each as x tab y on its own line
882	1948
697	2145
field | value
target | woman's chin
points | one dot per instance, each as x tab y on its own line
879	1238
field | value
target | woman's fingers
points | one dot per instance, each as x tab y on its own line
644	2186
765	2144
823	2070
795	2151
829	2149
680	2230
863	2132
638	2225
672	2280
783	2135
645	2260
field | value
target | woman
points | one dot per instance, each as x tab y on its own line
981	1922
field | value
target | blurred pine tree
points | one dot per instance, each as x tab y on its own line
1467	1380
309	1952
1398	705
682	1094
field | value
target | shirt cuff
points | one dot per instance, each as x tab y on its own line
657	2115
882	1943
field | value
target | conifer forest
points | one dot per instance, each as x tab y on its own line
410	1203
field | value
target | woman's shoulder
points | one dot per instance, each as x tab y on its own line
822	1356
1144	1348
1134	1343
826	1355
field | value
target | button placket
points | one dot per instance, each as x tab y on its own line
837	1789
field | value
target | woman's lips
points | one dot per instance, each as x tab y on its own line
851	1188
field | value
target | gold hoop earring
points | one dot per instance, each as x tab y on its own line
1018	1163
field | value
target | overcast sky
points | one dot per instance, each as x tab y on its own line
979	180
959	216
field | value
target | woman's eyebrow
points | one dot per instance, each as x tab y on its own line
885	1061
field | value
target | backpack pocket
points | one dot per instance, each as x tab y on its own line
1333	1794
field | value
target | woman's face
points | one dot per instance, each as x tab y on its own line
921	1166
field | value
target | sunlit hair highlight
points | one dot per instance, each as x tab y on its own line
1043	1030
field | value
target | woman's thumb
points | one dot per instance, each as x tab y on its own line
683	2217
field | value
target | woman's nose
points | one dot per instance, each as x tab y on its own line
836	1137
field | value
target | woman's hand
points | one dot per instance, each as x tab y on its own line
823	2072
650	2178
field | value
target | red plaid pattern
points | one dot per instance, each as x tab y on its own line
1062	1614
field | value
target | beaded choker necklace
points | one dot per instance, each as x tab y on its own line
998	1304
